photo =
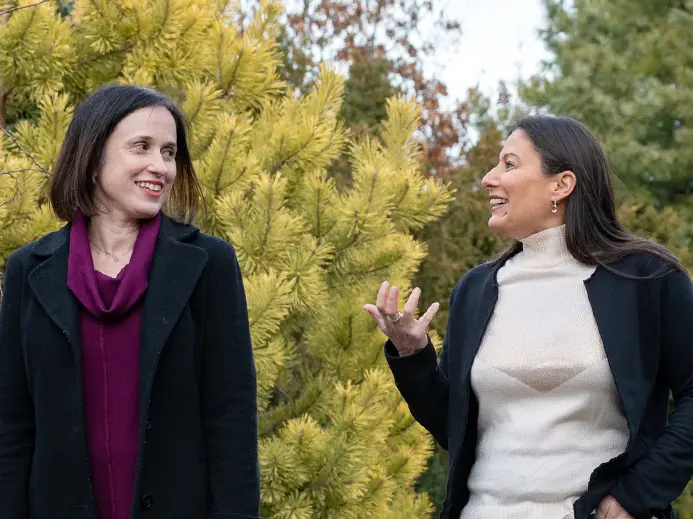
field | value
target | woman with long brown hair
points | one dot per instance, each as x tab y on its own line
552	389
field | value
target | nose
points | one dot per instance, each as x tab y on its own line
490	179
157	164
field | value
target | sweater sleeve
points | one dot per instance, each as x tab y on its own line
423	383
229	395
17	427
660	477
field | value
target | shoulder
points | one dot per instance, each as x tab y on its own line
31	253
216	248
220	253
644	266
476	278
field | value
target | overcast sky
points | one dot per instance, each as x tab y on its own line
499	41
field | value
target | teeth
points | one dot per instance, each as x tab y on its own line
497	201
149	185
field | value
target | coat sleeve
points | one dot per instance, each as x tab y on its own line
229	394
660	477
17	428
423	383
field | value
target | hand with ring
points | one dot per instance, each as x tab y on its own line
407	333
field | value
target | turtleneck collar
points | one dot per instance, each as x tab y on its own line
545	248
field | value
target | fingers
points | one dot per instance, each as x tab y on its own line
412	303
381	300
377	317
392	302
428	316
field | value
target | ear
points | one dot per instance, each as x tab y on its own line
563	184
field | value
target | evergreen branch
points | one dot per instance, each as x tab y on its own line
16	142
11	9
283	161
268	306
236	66
86	61
167	9
401	199
365	272
317	216
217	179
198	109
268	221
329	229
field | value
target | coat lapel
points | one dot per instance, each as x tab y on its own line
48	281
613	299
175	270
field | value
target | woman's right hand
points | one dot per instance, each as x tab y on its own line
407	333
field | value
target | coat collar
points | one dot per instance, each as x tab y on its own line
176	267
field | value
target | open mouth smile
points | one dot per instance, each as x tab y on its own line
152	188
497	202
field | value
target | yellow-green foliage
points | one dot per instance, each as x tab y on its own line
336	439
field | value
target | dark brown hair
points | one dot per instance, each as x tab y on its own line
594	234
81	153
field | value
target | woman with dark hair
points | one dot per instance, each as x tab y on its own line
127	380
552	389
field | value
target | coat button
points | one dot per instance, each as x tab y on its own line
147	501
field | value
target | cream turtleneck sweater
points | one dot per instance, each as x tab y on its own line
549	413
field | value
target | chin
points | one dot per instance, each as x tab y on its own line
500	227
145	213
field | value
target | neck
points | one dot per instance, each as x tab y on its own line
545	248
113	234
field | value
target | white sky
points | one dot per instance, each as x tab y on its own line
499	41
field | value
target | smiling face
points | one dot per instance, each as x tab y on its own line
139	164
521	196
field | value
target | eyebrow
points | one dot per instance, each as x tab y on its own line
506	155
147	138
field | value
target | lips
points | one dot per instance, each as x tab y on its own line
150	187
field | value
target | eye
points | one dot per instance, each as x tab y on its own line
169	153
509	164
140	146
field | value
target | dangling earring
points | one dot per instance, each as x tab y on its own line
555	207
93	180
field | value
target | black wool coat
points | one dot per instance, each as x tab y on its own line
646	326
197	455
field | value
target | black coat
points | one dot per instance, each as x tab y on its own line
197	454
647	330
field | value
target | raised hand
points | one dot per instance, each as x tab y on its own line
609	508
407	333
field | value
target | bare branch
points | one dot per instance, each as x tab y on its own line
13	171
16	190
31	157
7	11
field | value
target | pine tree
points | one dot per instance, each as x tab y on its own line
337	441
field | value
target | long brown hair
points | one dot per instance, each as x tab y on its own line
594	234
82	151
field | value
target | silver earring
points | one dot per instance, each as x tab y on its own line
93	180
554	209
